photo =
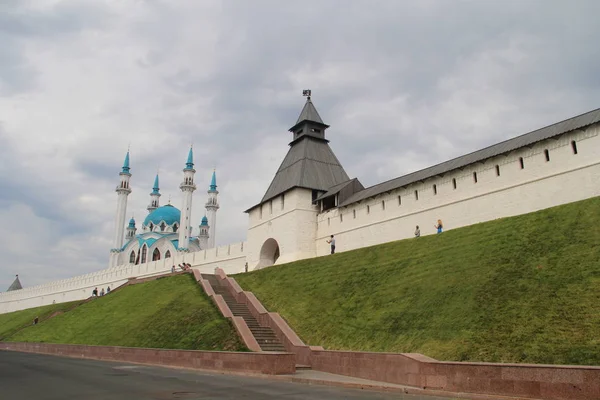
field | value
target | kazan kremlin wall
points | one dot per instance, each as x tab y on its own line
502	189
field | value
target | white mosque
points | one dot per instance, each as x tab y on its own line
166	230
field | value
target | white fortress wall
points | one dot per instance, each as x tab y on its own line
566	178
289	219
231	258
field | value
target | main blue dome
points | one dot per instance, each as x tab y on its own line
167	213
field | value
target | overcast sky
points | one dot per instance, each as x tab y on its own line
403	84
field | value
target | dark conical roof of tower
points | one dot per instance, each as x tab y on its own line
310	163
309	113
16	285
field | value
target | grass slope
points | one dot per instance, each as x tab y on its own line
14	321
169	313
520	289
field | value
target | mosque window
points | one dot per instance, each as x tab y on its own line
416	195
574	147
144	253
162	226
156	255
132	257
454	183
497	170
434	189
175	227
521	163
354	213
547	155
475	177
151	226
168	254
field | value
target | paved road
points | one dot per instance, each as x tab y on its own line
40	377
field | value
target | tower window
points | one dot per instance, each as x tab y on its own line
547	155
521	163
341	217
475	177
399	200
260	212
383	204
271	207
282	201
368	209
497	170
315	130
454	183
354	213
574	147
434	189
416	195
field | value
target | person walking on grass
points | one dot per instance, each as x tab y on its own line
332	243
439	226
417	231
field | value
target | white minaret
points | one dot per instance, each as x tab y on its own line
154	196
123	191
212	205
187	187
203	236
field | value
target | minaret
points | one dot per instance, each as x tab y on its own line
123	191
212	205
203	236
154	196
187	187
131	229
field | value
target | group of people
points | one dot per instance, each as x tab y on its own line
102	292
439	226
183	266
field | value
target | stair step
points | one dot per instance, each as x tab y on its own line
302	367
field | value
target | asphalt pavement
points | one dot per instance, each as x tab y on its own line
30	376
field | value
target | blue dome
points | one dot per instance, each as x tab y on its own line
204	221
132	223
167	213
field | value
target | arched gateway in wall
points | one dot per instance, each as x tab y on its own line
269	253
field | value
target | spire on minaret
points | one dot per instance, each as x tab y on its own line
213	181
126	163
154	196
190	160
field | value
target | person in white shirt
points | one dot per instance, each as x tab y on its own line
332	243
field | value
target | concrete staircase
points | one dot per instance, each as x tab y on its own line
266	338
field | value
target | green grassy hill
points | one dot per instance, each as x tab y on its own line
170	312
521	289
14	321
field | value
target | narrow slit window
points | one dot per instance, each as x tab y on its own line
454	183
341	217
416	195
368	209
547	155
383	204
521	163
497	170
282	201
574	147
328	221
434	189
399	200
475	177
354	213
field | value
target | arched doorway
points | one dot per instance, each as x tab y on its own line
269	253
